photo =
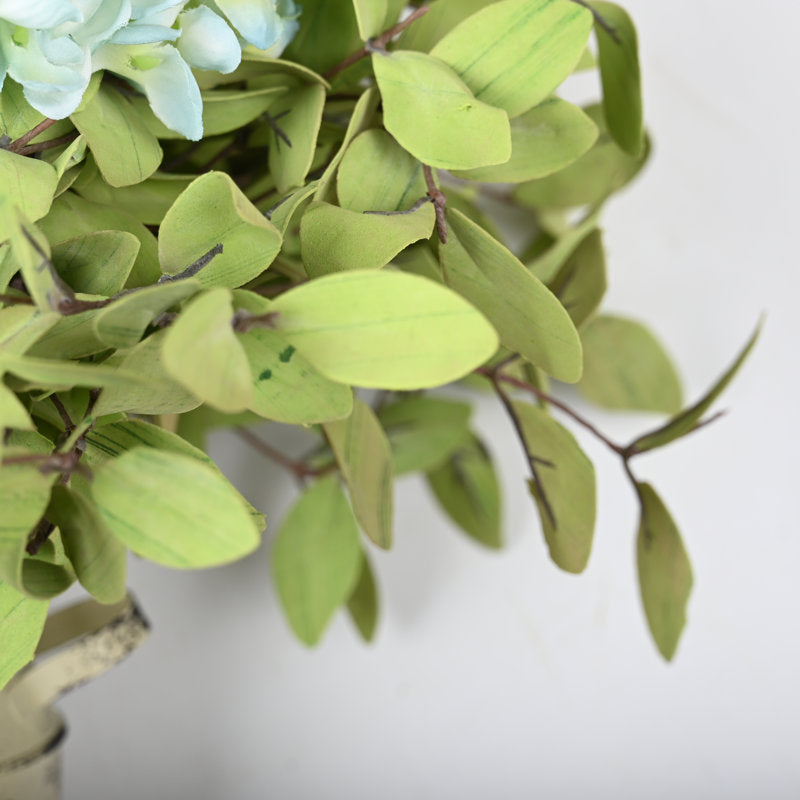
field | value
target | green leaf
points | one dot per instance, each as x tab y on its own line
619	70
289	164
688	419
316	558
467	488
72	215
12	413
665	574
42	578
601	171
282	215
124	149
21	624
172	509
625	367
529	318
202	351
370	15
513	54
442	17
567	488
581	282
98	558
424	431
363	602
27	183
286	388
333	239
384	329
547	264
433	114
365	459
122	323
376	174
211	211
73	336
159	393
97	263
544	140
21	326
70	157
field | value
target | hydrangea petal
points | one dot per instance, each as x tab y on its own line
103	19
257	21
164	77
207	42
144	34
42	14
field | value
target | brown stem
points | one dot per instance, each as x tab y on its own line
18	144
439	203
49	144
38	536
300	469
376	43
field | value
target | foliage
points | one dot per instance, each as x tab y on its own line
325	235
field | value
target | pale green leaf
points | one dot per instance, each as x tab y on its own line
618	57
467	488
513	54
433	114
688	419
202	351
97	263
625	367
384	329
316	558
328	34
442	17
665	574
546	265
27	183
21	326
529	318
12	412
21	624
365	459
211	211
72	155
370	15
173	509
363	602
334	239
124	149
73	336
544	140
565	494
99	559
282	214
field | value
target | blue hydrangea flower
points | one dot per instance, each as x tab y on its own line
52	47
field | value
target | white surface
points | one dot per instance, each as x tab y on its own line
497	675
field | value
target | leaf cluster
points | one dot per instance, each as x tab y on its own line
329	235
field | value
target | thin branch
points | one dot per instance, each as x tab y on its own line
69	425
300	469
193	268
49	144
421	202
12	298
23	140
38	536
600	20
439	203
630	451
377	43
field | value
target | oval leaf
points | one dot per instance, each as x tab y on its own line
28	184
363	602
21	624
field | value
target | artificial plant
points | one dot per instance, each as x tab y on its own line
219	213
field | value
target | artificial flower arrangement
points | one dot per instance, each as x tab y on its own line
218	213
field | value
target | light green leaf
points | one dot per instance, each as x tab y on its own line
384	329
376	174
419	259
513	54
685	422
172	509
286	388
21	625
333	239
625	367
363	602
619	71
546	265
316	558
73	336
442	17
21	326
289	164
97	263
48	573
122	323
70	157
529	318
665	574
12	412
211	211
202	351
98	558
433	114
544	140
124	149
567	488
365	459
72	215
159	393
581	282
370	15
282	215
466	486
27	183
424	431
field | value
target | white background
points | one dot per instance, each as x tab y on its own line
498	675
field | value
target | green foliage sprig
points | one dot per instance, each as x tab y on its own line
327	234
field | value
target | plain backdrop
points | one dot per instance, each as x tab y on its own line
496	675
